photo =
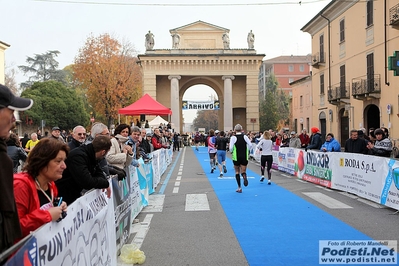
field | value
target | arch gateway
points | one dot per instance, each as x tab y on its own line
200	56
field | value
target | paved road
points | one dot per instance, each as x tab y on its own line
172	231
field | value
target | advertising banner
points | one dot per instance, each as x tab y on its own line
86	236
316	167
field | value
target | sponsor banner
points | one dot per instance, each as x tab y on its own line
360	174
86	236
275	151
287	160
317	168
26	255
200	105
361	252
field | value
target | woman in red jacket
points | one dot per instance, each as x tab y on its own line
34	188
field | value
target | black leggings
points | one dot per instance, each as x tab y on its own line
263	160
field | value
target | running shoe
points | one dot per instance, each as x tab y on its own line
221	175
269	182
239	190
224	169
245	181
262	178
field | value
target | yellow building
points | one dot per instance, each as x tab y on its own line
352	87
3	47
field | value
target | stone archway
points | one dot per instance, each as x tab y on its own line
201	58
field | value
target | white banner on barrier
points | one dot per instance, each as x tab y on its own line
86	236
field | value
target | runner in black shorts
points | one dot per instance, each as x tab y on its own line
239	147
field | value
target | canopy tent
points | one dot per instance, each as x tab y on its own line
146	105
157	121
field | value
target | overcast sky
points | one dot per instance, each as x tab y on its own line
34	27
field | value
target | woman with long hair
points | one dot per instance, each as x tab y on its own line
120	154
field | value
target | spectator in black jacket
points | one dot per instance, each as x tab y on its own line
315	140
382	146
83	170
78	137
355	144
15	151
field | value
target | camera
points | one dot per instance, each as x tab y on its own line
57	202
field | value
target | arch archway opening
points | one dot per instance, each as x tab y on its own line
201	115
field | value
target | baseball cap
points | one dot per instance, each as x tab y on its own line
293	132
9	100
148	135
56	128
217	131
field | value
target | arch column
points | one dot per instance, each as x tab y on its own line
174	101
228	102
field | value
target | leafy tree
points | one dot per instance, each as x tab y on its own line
107	72
269	116
43	67
274	109
208	119
56	104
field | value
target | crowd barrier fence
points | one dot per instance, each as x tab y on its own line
94	221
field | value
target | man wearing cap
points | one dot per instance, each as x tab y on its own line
382	146
295	142
10	229
56	134
315	140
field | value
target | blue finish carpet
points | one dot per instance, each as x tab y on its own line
273	225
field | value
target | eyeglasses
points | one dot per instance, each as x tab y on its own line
81	134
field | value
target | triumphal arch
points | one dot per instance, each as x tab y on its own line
201	54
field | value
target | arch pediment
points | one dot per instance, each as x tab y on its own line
200	35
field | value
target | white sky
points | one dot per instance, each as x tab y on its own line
34	27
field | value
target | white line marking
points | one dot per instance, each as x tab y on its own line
176	190
287	175
177	184
197	202
178	177
372	204
348	195
142	231
233	177
155	203
326	200
179	173
300	180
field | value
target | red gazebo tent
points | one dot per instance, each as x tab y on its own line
146	105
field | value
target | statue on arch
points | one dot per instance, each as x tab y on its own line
175	40
251	40
149	41
226	40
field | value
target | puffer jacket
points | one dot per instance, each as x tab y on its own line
382	148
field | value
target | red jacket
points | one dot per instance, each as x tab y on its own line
30	215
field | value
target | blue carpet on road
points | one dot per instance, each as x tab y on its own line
273	225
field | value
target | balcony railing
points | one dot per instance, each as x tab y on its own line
366	87
394	15
339	92
318	58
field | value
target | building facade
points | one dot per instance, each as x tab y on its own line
352	86
286	69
